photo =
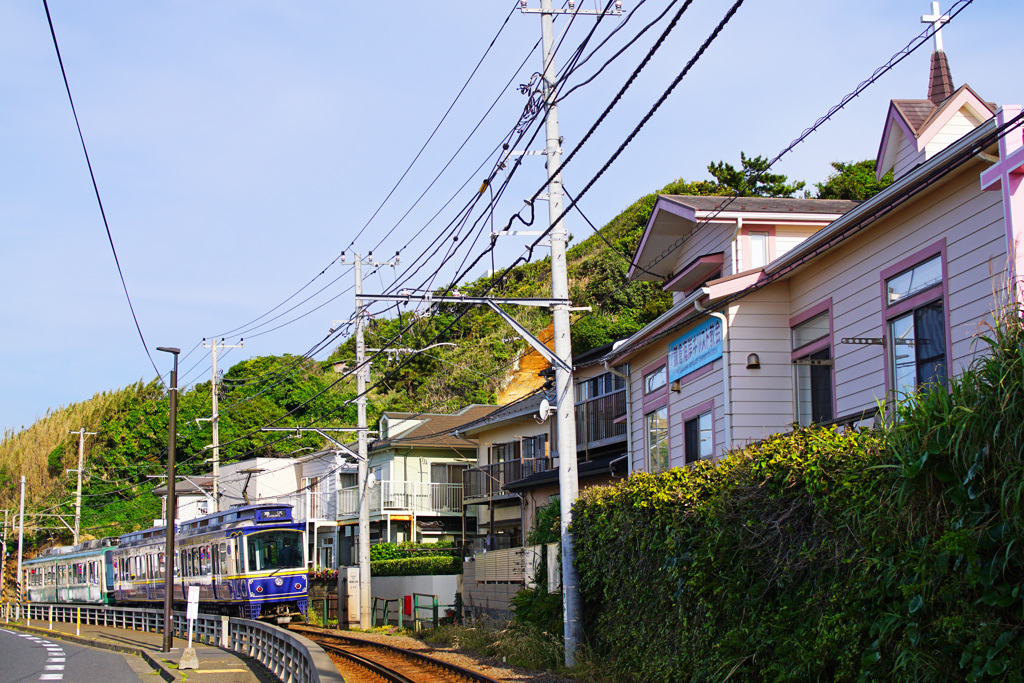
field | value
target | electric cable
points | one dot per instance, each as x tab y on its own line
96	190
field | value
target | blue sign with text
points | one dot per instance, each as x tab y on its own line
695	349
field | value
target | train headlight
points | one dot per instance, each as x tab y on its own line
279	582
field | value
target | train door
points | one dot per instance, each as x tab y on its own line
215	563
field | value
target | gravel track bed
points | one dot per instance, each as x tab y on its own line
484	665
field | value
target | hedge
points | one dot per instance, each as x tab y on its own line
890	554
417	566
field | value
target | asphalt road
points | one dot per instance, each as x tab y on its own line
25	658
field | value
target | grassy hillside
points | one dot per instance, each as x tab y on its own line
132	422
449	378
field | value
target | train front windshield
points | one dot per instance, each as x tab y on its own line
275	550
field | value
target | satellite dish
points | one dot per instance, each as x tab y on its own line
371	479
544	411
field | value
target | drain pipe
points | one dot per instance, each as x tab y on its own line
611	465
629	417
726	358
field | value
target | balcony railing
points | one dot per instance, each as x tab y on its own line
595	419
489	481
422	498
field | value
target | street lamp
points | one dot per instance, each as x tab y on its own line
171	505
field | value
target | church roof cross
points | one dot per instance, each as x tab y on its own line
936	19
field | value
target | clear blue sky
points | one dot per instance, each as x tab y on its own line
239	146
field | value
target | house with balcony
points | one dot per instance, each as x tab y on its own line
516	467
416	468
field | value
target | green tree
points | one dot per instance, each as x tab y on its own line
753	179
853	180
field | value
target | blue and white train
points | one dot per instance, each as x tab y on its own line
248	561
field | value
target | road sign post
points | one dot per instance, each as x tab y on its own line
188	657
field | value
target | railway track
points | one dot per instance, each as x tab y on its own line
362	661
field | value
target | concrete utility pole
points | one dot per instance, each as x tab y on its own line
362	462
363	465
568	480
78	492
215	419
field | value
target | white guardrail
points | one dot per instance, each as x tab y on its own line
291	658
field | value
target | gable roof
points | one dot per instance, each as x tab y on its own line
524	408
921	120
673	215
434	430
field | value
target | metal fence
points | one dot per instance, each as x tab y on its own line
490	480
289	657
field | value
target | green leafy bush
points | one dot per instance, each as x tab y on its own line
417	566
395	551
891	554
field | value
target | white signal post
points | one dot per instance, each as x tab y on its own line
21	542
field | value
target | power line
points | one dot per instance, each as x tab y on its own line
96	190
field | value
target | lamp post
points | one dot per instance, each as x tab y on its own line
171	505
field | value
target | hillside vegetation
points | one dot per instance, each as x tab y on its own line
293	391
131	444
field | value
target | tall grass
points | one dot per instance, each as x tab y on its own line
27	452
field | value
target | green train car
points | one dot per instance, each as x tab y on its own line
72	574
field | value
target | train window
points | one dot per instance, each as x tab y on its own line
161	566
194	561
215	556
204	560
223	558
275	550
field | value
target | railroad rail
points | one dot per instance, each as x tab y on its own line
390	663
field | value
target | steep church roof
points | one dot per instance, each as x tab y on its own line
916	130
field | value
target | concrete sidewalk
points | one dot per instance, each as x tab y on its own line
215	664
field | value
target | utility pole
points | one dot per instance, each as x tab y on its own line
568	479
215	419
21	538
172	503
362	462
81	465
